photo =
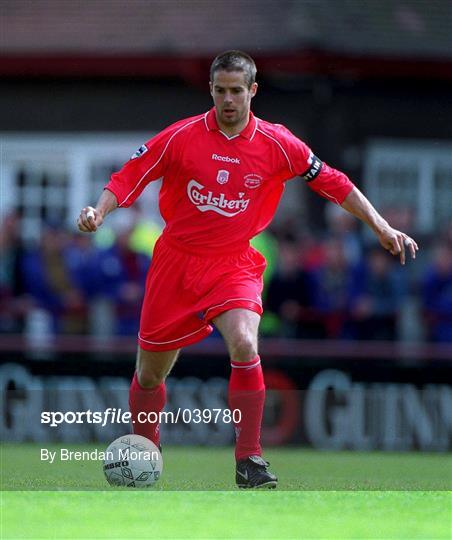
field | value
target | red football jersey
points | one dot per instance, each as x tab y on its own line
220	191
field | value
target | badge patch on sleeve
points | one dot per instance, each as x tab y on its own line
142	150
315	166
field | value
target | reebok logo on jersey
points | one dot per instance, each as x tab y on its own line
206	202
226	159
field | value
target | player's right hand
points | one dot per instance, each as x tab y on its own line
89	219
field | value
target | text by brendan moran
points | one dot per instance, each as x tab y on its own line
121	454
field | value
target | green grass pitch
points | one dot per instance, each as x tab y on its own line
321	495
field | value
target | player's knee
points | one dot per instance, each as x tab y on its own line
148	377
243	348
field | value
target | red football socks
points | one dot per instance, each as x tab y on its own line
145	401
247	393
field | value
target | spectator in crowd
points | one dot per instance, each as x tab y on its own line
437	294
377	295
83	259
47	279
332	285
14	304
344	227
144	230
289	295
123	274
312	256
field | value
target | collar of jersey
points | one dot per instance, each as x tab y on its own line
246	133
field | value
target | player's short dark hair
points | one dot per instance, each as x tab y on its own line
235	61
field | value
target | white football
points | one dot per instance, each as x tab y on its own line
132	461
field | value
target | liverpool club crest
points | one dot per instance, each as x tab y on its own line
222	177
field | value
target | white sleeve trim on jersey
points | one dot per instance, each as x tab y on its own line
330	197
280	146
159	159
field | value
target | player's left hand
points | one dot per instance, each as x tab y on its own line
397	242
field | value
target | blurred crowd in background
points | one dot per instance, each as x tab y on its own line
339	284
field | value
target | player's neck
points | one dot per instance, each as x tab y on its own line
229	130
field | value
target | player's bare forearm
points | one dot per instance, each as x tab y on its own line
391	239
90	218
107	203
358	205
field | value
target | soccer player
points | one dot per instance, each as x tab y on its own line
223	175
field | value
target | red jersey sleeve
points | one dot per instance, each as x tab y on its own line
329	183
148	163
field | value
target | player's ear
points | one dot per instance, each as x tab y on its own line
211	88
253	89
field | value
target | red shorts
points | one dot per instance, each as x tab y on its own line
185	291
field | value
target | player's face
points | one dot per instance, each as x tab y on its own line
232	99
